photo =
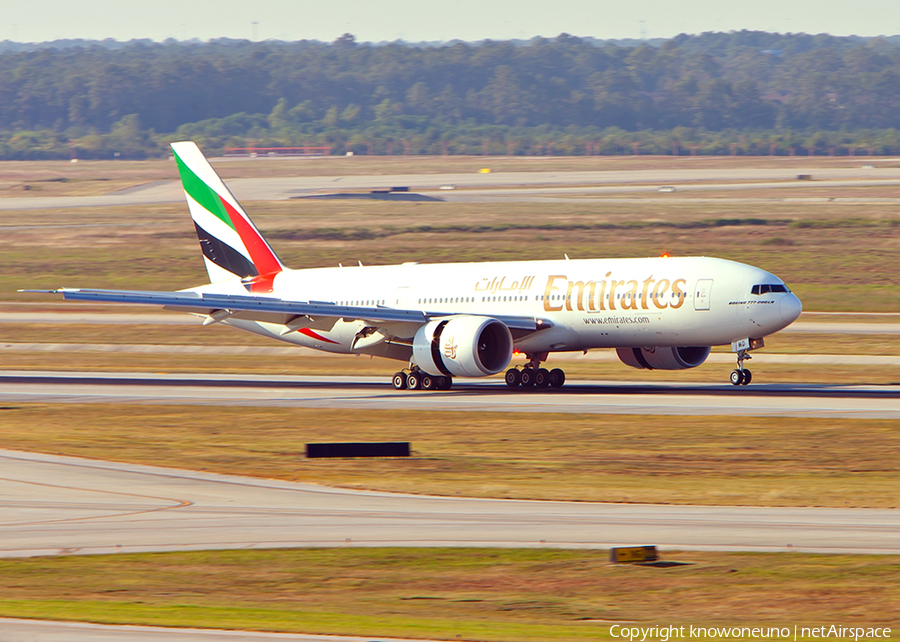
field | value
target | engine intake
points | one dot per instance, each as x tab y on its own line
463	346
654	358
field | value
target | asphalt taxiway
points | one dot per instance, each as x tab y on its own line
357	392
52	505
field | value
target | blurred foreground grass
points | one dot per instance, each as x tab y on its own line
521	595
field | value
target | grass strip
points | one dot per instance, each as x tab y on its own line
825	342
611	372
834	256
471	594
370	232
762	461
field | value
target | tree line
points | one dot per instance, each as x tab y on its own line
741	92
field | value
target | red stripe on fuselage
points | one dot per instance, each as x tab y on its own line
314	335
263	257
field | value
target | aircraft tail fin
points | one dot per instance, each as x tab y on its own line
231	244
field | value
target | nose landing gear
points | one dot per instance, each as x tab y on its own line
741	376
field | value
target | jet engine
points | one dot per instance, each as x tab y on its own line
654	358
463	346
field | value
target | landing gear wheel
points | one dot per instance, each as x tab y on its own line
429	382
742	375
542	378
557	378
442	383
513	377
413	381
399	381
526	378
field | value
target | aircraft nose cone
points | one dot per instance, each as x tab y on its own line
791	308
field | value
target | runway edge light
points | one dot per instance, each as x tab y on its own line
633	554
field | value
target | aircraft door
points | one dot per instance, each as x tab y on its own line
401	298
701	294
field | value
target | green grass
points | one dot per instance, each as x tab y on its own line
471	594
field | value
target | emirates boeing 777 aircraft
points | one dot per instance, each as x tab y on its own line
469	319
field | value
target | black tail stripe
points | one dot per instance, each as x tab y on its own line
224	255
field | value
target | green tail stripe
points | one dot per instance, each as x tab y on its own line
202	193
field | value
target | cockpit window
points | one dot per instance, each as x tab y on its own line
765	288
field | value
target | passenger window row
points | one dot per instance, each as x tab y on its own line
553	297
505	298
458	299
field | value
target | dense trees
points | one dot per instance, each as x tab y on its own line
748	92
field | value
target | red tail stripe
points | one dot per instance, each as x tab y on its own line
260	253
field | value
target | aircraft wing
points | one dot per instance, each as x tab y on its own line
274	310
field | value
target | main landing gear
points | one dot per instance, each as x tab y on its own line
417	380
533	376
741	376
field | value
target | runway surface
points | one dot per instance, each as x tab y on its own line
14	630
502	186
758	399
52	505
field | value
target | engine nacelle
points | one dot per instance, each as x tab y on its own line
663	358
463	346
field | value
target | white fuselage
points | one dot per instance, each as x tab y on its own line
596	303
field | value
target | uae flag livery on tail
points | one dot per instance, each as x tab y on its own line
231	244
